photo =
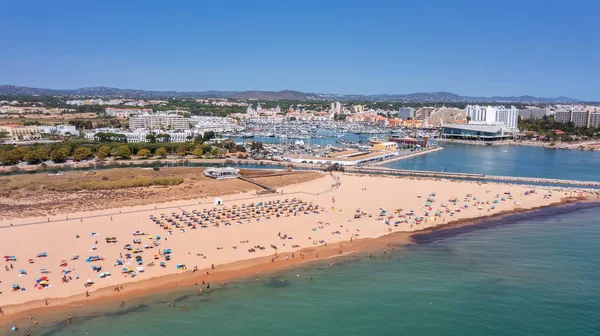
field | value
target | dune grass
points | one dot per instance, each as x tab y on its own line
131	183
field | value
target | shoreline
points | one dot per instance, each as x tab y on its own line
263	265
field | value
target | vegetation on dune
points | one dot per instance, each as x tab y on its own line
131	183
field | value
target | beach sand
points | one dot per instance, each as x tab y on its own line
327	232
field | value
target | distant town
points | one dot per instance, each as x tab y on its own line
222	127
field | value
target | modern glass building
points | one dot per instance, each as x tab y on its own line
474	132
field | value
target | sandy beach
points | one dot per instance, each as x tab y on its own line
246	234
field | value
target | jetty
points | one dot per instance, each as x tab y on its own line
467	176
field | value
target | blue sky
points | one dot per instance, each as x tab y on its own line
543	48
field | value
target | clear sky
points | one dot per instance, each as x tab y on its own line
544	48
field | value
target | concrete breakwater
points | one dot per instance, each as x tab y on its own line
542	180
481	177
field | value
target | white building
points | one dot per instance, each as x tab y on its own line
139	135
492	115
125	112
358	108
61	130
216	124
159	121
336	107
406	113
262	111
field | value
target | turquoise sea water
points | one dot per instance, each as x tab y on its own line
508	161
537	276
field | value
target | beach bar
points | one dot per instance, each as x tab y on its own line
222	173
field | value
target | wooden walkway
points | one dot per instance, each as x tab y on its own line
262	185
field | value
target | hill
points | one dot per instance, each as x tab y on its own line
423	97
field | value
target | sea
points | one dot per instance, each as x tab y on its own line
532	275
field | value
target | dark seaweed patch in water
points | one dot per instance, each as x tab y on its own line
182	298
435	235
276	282
78	320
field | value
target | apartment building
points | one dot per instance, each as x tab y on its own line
125	112
159	121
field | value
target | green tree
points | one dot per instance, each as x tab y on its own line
161	152
208	136
82	153
199	139
143	153
151	137
12	157
198	151
181	150
123	152
103	152
32	157
215	152
43	153
59	155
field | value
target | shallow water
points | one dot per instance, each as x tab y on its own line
537	276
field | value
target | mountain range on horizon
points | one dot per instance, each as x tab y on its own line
425	97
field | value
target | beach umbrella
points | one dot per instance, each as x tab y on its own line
22	271
15	286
